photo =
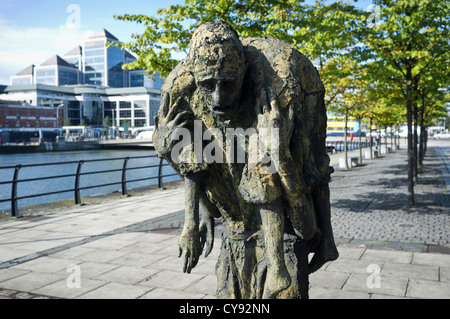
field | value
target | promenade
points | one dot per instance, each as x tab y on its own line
127	247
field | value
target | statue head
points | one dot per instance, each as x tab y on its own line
219	67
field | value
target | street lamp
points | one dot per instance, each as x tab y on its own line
57	115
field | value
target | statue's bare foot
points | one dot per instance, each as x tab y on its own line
326	252
277	280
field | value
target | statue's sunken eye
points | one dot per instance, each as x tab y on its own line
228	85
207	86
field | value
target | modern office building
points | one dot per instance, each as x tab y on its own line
88	85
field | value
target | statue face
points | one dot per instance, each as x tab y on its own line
221	93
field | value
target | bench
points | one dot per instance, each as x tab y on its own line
352	161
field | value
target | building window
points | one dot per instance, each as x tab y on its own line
20	81
115	72
125	113
44	102
139	113
94	63
140	122
67	77
140	104
125	105
136	80
46	77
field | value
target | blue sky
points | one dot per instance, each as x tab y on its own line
32	31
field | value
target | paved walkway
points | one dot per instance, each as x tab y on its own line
127	247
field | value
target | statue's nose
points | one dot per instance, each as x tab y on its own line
218	96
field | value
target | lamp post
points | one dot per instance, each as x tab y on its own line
57	117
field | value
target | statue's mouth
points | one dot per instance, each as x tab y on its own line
222	110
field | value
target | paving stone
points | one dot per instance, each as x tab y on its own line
328	279
127	275
427	272
329	293
388	256
172	280
30	281
426	289
431	259
367	283
163	293
444	274
61	289
206	285
115	290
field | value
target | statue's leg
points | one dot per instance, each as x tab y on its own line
277	278
302	251
326	250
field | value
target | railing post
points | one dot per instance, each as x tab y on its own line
124	177
77	183
160	181
14	206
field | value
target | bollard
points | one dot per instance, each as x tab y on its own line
124	177
160	182
77	183
14	206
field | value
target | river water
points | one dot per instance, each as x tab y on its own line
66	183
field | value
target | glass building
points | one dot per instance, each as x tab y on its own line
89	84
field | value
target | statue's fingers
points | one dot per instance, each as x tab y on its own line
173	109
165	102
209	247
186	267
183	116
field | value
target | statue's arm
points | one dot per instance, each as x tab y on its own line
189	242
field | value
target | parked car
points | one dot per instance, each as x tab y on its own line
442	135
145	134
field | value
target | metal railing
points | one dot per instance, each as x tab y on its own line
339	146
77	188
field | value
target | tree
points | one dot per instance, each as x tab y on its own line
107	121
412	34
322	32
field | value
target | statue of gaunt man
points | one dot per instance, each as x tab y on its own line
243	122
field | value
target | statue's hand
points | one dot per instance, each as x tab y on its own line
272	116
207	233
189	244
173	115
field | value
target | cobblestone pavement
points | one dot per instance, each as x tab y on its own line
369	202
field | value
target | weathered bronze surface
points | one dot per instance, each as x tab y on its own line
275	208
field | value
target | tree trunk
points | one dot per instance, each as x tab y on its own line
370	138
409	115
360	143
422	135
416	141
345	140
385	140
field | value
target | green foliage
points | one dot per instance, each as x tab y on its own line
371	68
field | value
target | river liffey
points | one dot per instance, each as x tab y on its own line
113	159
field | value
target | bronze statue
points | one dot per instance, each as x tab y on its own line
253	125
